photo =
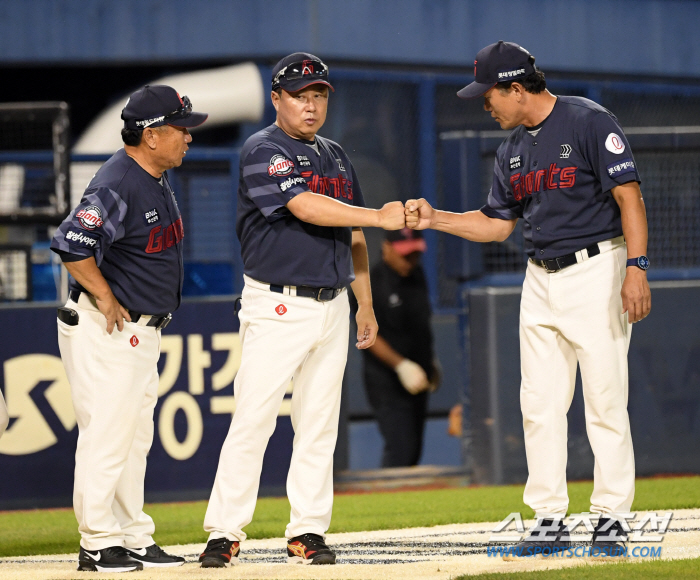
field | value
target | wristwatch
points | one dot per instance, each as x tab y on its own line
642	262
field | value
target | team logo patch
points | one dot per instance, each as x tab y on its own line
90	217
515	162
151	216
133	340
78	238
340	165
614	144
280	165
621	167
565	151
280	309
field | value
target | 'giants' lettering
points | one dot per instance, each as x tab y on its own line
534	181
340	186
157	241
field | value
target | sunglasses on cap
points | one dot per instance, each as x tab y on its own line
304	69
186	108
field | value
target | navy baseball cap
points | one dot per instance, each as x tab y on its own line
298	71
157	105
406	241
498	63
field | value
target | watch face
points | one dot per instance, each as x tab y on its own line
643	262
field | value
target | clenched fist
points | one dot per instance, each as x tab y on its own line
392	217
419	214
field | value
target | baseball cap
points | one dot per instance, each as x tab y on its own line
157	105
299	70
406	241
498	63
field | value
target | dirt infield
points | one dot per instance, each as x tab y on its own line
440	552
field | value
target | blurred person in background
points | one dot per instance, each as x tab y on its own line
4	416
399	369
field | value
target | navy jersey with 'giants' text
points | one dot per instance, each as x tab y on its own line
277	247
558	177
130	223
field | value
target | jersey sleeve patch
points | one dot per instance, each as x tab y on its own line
84	239
615	144
280	166
621	167
90	217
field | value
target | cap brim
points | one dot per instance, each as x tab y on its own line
475	90
191	120
299	84
406	247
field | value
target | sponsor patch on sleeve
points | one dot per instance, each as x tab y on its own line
621	167
151	216
291	182
79	238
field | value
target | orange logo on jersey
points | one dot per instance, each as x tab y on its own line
280	309
134	341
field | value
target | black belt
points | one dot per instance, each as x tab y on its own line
159	322
320	294
556	264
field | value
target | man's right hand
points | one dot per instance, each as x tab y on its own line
419	214
114	312
392	217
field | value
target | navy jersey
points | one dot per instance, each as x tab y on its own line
130	223
559	178
277	247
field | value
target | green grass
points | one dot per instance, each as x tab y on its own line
676	569
55	531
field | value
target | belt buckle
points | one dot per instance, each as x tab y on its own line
547	268
164	322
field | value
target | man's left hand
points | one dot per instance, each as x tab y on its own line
367	327
636	296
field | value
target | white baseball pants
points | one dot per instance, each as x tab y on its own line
114	387
572	317
309	342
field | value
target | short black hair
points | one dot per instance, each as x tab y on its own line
533	83
132	137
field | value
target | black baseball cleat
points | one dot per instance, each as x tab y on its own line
220	552
112	559
154	557
609	540
542	545
309	549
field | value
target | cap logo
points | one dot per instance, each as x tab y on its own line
511	73
307	67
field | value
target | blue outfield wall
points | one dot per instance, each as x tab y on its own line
650	37
200	356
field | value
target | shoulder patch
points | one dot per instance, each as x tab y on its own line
90	217
614	144
280	165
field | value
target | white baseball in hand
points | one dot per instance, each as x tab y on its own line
412	376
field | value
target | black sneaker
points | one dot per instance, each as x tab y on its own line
539	545
309	549
609	544
112	559
220	552
154	557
